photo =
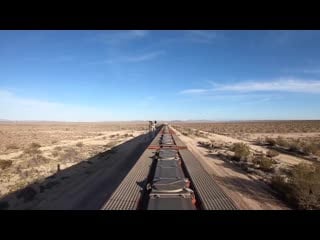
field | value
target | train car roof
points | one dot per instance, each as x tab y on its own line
171	204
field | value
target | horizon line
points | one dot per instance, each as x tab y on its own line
176	120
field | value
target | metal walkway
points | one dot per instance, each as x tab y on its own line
210	195
128	194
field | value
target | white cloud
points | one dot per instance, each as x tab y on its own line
281	85
133	59
290	85
194	91
19	108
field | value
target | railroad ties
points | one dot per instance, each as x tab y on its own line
168	177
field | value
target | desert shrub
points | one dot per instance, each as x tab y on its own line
260	140
12	146
33	149
310	148
294	146
127	135
282	142
270	141
114	135
302	188
265	164
187	131
37	160
305	182
69	154
204	144
5	164
54	141
241	151
272	153
198	133
280	184
34	145
79	144
213	144
104	138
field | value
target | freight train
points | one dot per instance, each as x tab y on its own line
167	176
169	187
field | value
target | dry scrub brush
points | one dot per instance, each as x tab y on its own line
301	188
241	151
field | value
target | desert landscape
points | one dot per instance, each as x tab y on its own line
260	163
30	152
159	120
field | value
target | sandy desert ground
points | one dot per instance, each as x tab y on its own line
245	181
30	152
96	156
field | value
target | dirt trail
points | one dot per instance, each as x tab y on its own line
245	189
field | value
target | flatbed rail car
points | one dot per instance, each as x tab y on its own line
167	176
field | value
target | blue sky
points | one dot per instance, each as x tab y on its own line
160	75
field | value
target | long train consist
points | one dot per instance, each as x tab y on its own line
169	188
167	176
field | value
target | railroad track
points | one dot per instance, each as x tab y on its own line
167	176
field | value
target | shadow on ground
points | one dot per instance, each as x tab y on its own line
255	189
86	185
227	162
